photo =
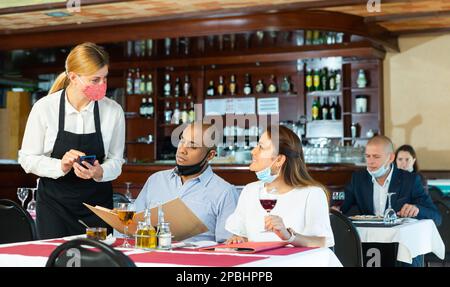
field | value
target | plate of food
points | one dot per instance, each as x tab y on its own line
373	218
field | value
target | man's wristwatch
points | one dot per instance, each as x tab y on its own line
293	235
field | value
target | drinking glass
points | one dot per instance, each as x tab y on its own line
32	204
268	200
22	194
128	193
125	212
390	216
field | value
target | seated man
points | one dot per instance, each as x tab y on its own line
211	198
368	189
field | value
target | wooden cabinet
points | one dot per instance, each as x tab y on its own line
260	54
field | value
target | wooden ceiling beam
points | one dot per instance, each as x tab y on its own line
291	20
51	6
406	16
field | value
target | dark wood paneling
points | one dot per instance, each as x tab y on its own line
300	19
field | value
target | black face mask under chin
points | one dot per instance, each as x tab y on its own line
187	170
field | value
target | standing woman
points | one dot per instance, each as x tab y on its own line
74	120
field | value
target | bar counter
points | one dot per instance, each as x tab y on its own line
334	176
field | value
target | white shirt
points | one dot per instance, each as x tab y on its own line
305	210
380	194
42	129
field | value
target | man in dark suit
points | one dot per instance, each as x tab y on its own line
367	191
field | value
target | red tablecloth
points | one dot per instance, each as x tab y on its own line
204	259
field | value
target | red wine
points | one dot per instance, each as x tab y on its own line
268	204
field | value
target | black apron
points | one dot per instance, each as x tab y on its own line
60	201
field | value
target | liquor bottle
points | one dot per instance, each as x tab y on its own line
130	84
191	117
338	78
137	48
167	87
176	114
308	37
272	88
285	85
187	87
325	110
167	46
167	113
143	107
309	80
129	48
332	81
232	87
149	85
221	87
247	86
142	85
316	37
210	92
176	88
316	80
149	47
324	79
150	108
186	46
184	116
137	82
315	109
143	48
333	110
259	88
338	110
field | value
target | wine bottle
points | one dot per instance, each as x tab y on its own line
221	87
167	87
247	86
210	92
232	87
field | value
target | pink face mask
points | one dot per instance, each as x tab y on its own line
95	92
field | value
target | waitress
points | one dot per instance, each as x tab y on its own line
74	120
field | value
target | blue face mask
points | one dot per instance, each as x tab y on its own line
381	171
266	175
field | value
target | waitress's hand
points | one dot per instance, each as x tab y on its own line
91	171
69	159
275	224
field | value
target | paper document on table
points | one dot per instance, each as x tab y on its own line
183	222
247	247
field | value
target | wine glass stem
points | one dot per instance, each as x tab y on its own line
125	230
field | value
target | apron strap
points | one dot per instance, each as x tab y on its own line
62	111
98	130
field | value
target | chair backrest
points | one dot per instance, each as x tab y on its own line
435	193
444	228
347	244
84	252
16	224
119	198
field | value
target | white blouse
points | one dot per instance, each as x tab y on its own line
42	128
305	210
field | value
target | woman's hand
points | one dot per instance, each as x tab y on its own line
275	224
236	239
91	171
69	159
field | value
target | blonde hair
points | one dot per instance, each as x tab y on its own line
84	59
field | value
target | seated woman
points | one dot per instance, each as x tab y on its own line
301	213
406	159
